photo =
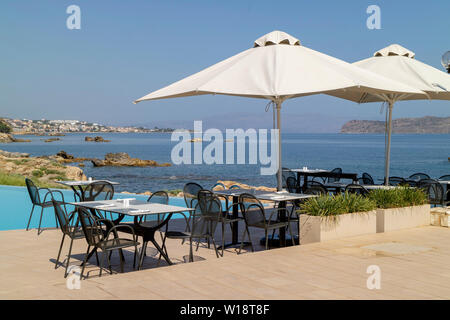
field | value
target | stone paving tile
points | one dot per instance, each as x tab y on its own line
329	270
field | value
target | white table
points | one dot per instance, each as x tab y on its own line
135	209
280	197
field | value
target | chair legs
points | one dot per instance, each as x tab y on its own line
249	239
40	221
68	258
59	252
29	220
85	261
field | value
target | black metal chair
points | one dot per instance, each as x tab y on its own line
219	186
316	190
35	197
397	181
255	216
285	174
434	191
445	177
418	176
291	185
204	221
367	179
190	193
205	199
68	229
97	234
234	186
335	179
101	190
357	189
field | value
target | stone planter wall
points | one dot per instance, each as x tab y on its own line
316	229
402	218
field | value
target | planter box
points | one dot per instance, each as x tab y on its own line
316	229
403	218
445	219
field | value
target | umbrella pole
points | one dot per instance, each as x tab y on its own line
279	174
388	148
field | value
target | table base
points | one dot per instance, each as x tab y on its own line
275	241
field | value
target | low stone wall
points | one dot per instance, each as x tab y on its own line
402	218
316	229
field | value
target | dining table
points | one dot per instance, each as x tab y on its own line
281	198
79	186
320	173
136	209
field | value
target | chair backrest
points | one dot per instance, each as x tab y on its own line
433	189
396	181
419	176
161	197
33	191
219	186
93	232
252	209
190	192
234	186
61	215
367	178
316	190
207	214
285	174
335	179
314	183
445	177
291	184
357	189
99	190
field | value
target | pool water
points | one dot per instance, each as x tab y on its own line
15	208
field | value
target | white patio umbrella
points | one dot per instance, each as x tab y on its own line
278	68
398	63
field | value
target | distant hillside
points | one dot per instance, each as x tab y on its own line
402	125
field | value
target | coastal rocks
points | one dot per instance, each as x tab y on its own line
64	155
8	138
95	139
228	184
122	159
8	154
40	169
52	139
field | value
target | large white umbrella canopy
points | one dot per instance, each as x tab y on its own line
277	68
398	63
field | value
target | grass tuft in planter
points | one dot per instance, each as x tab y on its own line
398	197
327	205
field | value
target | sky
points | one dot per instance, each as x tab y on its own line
126	49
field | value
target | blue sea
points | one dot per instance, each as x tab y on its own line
356	153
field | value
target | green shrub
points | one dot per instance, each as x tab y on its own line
398	197
327	205
4	127
37	173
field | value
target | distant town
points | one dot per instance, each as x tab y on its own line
44	126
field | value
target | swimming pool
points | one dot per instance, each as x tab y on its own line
15	208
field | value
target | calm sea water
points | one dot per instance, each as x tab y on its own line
353	152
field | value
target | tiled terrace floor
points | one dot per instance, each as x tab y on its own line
414	265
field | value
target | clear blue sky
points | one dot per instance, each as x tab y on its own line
126	49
